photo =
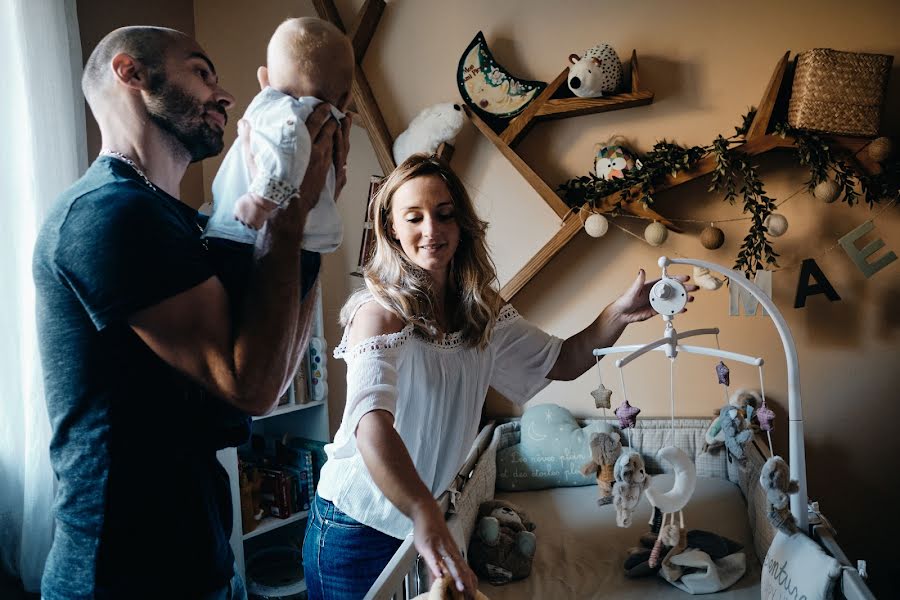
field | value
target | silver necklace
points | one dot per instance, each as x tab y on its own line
130	163
125	159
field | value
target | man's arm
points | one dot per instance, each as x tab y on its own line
248	363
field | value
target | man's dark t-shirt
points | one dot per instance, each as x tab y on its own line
142	506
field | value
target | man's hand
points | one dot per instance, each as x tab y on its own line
341	151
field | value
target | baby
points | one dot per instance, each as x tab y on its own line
310	61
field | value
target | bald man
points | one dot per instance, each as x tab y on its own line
146	357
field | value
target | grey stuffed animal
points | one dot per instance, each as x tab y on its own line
605	449
775	479
631	481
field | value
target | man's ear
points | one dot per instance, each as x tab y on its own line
130	71
262	76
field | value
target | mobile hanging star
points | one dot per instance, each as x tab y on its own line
627	415
765	416
602	396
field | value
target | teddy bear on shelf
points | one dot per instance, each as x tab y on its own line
605	449
775	479
432	127
733	427
631	481
503	545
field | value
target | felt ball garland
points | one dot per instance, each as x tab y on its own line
827	191
712	237
880	149
656	233
776	224
596	225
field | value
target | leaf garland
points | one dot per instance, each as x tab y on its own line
733	168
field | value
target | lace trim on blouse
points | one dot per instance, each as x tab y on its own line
384	344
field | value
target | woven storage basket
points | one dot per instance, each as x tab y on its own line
839	92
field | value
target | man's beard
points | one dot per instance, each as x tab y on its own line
181	116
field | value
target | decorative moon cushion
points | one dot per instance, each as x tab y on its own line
552	449
488	88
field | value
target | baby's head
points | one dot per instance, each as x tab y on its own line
310	57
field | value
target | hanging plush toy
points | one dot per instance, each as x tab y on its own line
612	159
631	481
627	414
775	479
605	450
734	425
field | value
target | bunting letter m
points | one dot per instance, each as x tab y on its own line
741	297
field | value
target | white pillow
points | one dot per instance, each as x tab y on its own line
796	567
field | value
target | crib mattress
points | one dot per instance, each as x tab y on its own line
580	550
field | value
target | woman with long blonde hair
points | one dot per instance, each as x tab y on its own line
423	341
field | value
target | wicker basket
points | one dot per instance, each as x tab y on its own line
839	92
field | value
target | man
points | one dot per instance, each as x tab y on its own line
147	359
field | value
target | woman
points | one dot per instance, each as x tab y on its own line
423	342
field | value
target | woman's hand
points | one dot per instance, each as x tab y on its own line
576	357
436	546
634	305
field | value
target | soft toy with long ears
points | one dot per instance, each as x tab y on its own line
775	479
605	449
631	481
502	547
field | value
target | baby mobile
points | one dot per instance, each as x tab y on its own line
730	430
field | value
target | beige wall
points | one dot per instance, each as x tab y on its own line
96	18
707	62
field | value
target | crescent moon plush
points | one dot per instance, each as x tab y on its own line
489	89
685	481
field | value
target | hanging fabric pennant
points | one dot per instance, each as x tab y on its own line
822	285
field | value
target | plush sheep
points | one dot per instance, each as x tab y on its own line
596	73
433	126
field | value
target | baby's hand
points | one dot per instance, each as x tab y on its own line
253	210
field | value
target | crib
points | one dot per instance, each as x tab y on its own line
580	548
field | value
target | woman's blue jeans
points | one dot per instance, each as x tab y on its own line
342	558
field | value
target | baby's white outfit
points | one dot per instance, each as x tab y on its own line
435	390
281	146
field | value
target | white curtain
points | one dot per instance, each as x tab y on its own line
42	151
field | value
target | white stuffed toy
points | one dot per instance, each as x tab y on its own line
596	73
432	127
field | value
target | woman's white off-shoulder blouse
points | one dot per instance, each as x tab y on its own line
435	391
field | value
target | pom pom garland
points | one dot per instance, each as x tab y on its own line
827	191
712	237
656	233
776	224
596	225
